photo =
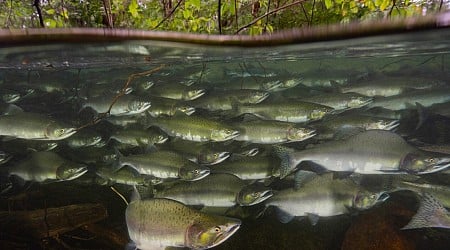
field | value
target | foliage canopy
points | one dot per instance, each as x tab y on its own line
236	16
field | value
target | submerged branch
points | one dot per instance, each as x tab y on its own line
122	92
267	14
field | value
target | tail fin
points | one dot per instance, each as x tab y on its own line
431	213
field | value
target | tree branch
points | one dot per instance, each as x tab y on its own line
170	14
312	12
38	8
269	13
267	17
107	6
392	8
219	4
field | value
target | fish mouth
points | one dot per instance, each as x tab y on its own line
68	132
144	107
51	146
264	96
225	235
11	98
272	85
392	125
264	196
441	165
198	93
202	174
79	172
383	197
222	156
162	140
250	152
233	135
189	110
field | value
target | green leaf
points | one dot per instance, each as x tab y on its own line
196	3
65	13
50	11
328	4
50	23
187	13
385	4
133	8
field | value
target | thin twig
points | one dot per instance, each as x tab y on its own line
170	14
269	13
235	14
306	14
267	17
122	92
219	20
312	12
9	15
38	8
392	8
108	12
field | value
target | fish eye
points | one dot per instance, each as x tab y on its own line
195	171
431	160
373	196
216	155
257	194
60	131
217	229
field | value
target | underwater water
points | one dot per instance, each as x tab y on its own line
327	145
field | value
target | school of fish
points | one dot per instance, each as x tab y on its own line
199	150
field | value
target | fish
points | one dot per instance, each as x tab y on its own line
247	168
34	126
163	164
139	137
348	124
194	128
216	190
92	154
219	100
199	152
177	91
125	105
270	132
322	196
288	111
160	223
390	86
126	176
408	100
251	83
166	106
83	138
47	166
369	152
339	101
